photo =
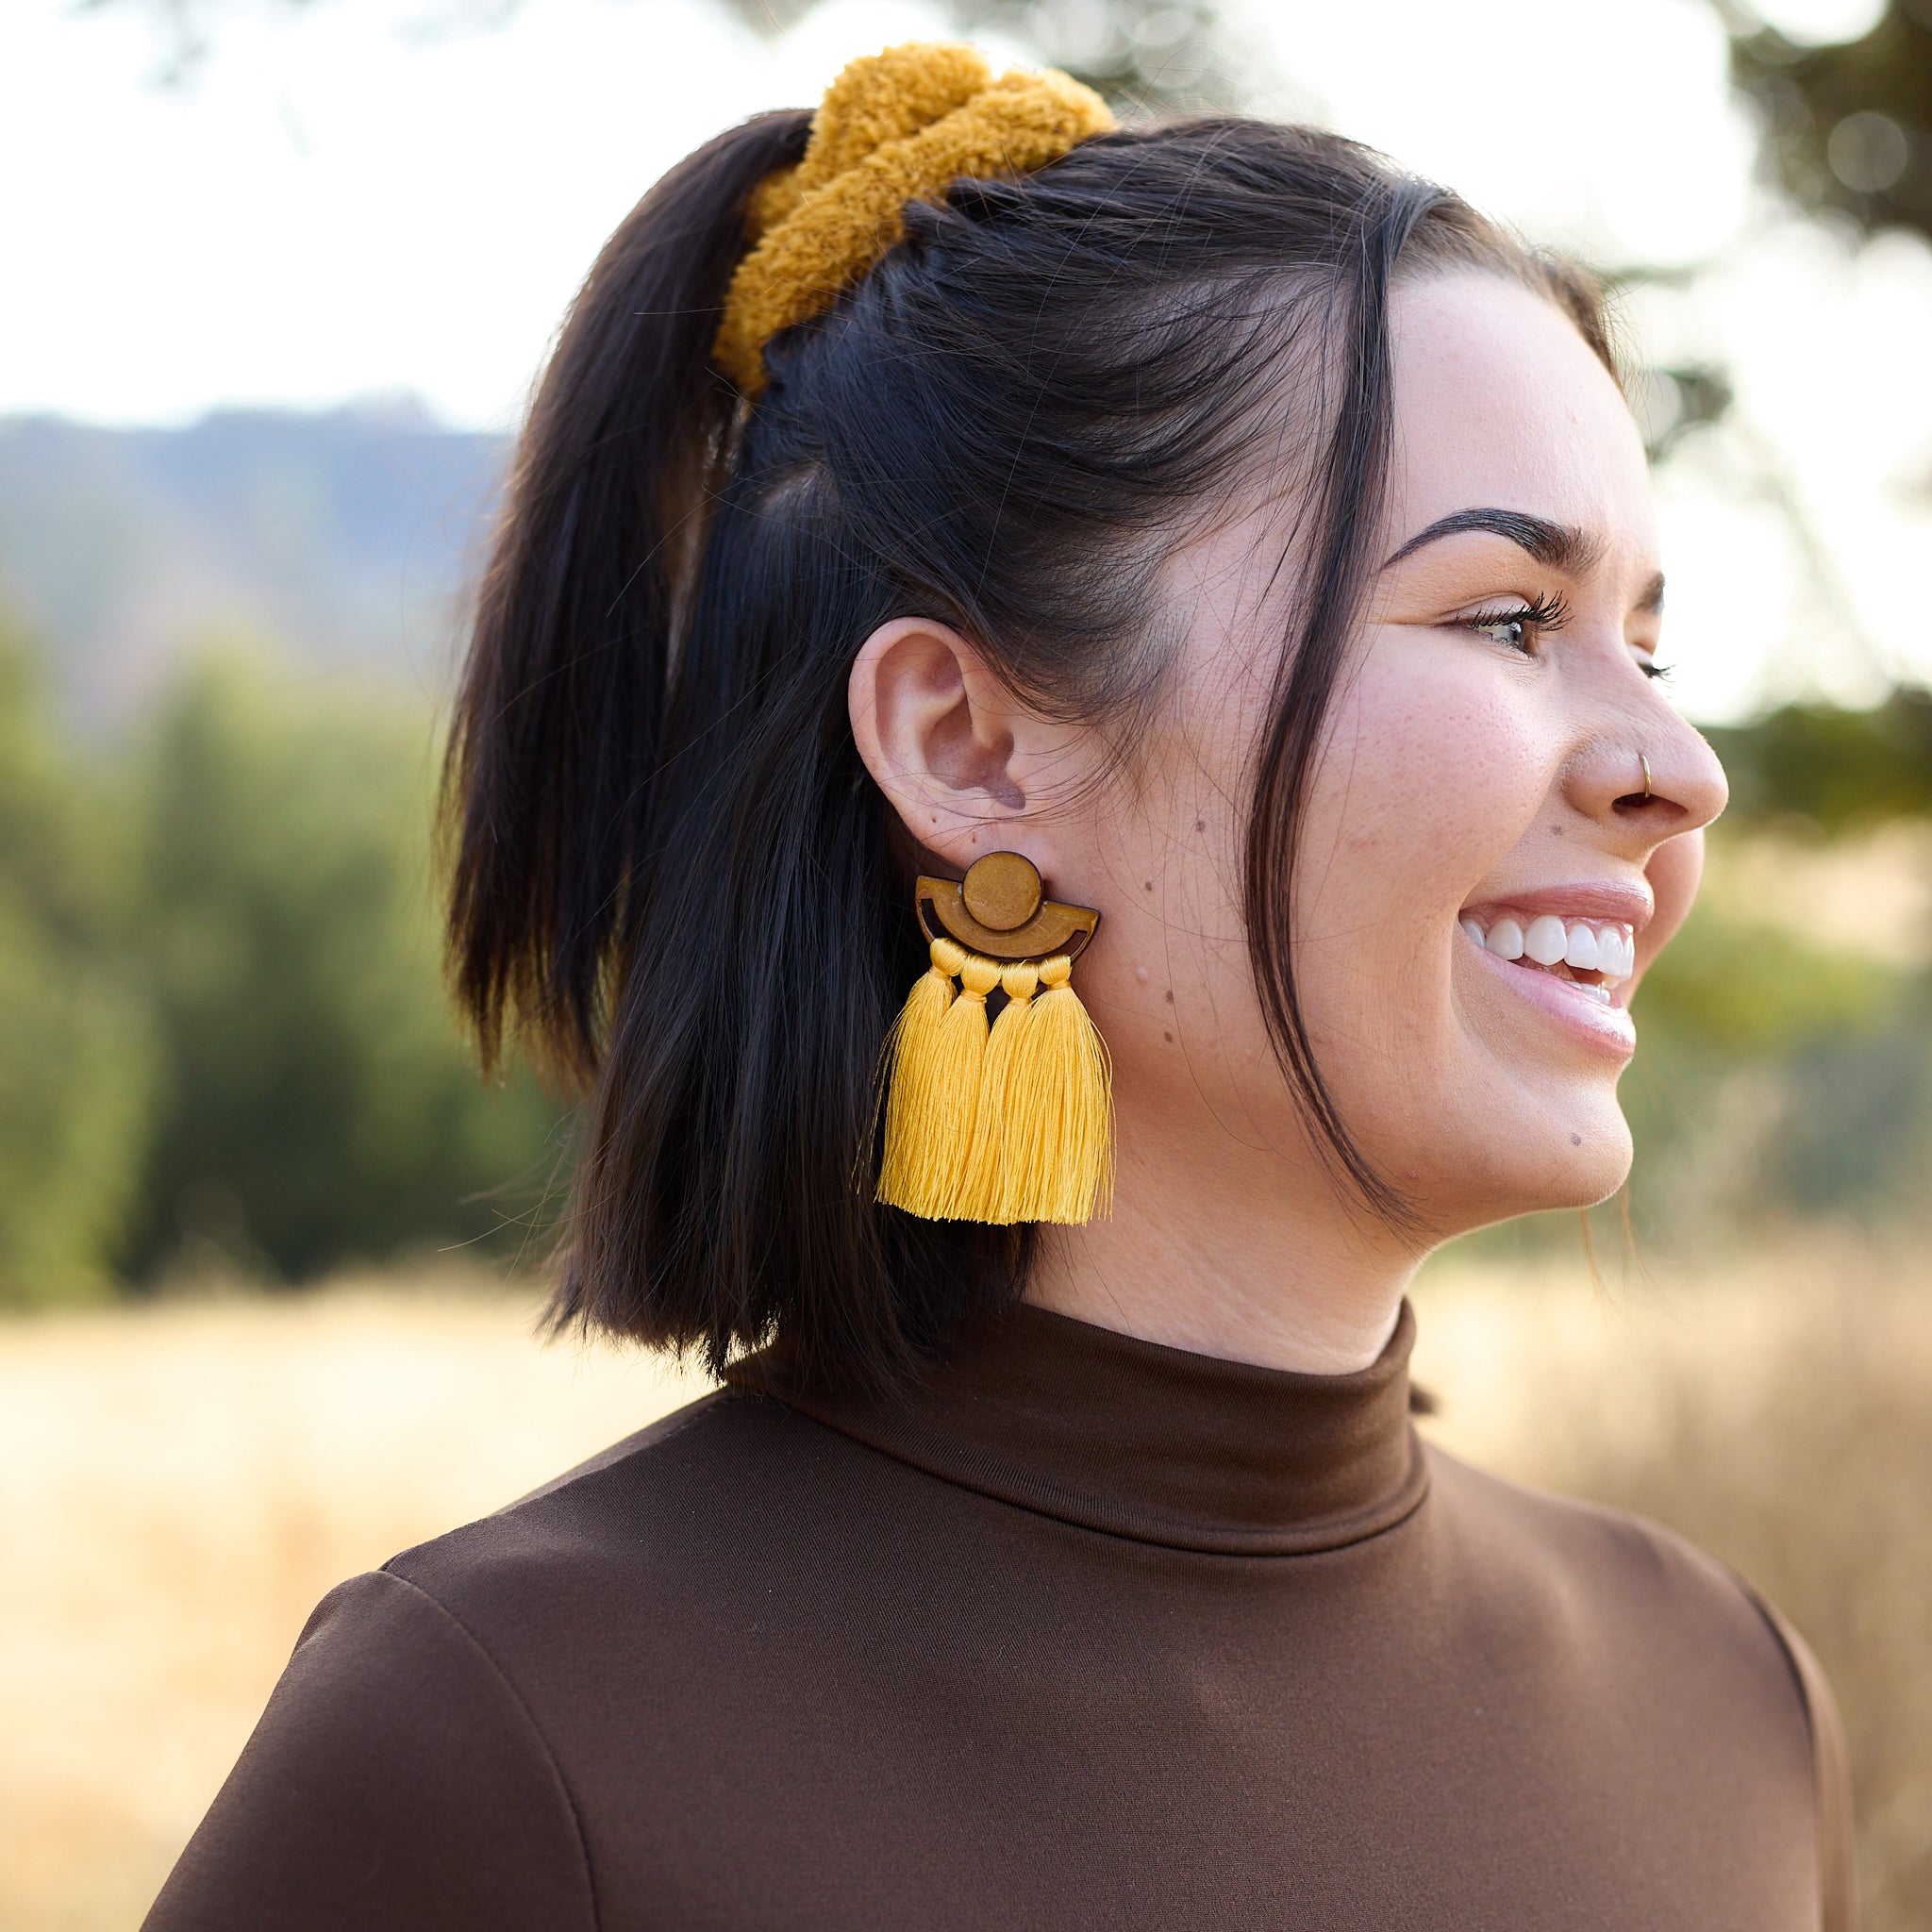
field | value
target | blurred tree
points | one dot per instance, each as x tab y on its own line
1843	770
317	1105
1743	991
77	1038
1752	1091
1847	127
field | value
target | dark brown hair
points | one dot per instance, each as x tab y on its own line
671	873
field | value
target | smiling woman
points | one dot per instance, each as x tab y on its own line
954	536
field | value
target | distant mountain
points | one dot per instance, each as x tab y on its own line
347	538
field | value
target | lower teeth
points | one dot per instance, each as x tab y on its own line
1597	991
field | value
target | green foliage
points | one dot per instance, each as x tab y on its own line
79	1049
319	1106
1741	990
225	1040
1840	769
1776	1074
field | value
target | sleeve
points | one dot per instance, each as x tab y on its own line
396	1780
1830	1774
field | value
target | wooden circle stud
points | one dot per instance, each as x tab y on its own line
1002	891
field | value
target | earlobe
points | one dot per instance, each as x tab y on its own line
936	731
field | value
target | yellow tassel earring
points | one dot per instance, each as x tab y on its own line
1017	1124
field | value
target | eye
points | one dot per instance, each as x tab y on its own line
1519	628
1513	630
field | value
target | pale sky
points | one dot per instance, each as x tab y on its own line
360	198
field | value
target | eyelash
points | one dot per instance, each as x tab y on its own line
1547	613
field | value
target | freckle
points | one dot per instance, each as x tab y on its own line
1167	1035
1577	1140
1199	824
1170	995
1556	831
1148	887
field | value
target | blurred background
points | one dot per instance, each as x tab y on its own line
282	271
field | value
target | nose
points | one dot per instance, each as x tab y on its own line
1656	776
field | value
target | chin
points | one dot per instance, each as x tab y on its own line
1569	1163
1580	1164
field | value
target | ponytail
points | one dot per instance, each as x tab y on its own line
559	722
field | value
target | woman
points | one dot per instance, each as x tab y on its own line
1255	540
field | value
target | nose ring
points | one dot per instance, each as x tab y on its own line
1645	763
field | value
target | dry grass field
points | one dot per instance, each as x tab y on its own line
178	1483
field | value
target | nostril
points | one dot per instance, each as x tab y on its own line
1647	805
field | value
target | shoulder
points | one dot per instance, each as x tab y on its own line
396	1778
1662	1620
421	1761
1599	1574
648	1514
1663	1625
660	1561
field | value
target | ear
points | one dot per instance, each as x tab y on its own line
945	740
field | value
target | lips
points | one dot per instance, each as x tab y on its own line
1568	950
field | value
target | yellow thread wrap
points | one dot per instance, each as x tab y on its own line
897	126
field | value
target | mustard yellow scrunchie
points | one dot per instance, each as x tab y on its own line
897	126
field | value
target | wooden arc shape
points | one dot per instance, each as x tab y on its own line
1050	928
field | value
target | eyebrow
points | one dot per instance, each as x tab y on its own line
1557	547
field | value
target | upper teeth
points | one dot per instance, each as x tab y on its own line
1608	948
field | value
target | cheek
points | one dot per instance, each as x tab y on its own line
1431	773
1436	769
1428	774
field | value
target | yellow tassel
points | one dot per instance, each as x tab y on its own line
958	1061
936	1054
911	1050
985	1187
1060	1109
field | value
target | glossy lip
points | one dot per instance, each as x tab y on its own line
1606	1029
1632	904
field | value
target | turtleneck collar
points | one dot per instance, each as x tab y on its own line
1125	1435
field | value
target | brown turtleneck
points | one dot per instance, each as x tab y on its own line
1079	1632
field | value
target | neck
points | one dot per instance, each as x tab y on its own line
1239	1254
